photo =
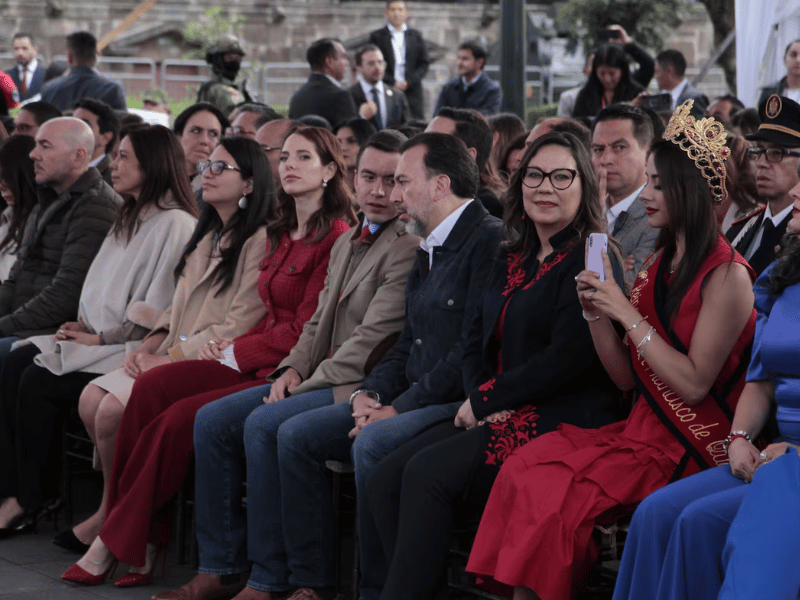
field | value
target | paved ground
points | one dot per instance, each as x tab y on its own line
31	566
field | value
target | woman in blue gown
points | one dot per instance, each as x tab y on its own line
675	546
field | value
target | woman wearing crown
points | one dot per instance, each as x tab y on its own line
688	328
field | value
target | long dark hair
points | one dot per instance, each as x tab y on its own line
786	271
586	104
19	177
252	162
691	212
520	233
336	198
163	167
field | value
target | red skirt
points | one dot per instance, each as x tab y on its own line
536	530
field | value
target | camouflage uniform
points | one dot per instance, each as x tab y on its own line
222	93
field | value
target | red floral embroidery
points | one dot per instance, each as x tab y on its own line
489	385
546	267
518	430
515	275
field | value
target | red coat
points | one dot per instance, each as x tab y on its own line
289	285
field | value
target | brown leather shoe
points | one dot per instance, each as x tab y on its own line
205	587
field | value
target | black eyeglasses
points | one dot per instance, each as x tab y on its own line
560	179
218	167
774	155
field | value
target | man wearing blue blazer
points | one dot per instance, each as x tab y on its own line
472	88
28	73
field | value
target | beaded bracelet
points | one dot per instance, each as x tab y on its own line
583	312
640	346
733	435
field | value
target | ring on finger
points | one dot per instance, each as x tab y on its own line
211	343
577	277
592	293
763	455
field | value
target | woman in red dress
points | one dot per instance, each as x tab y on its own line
689	325
154	445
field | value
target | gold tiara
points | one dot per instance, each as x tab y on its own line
704	141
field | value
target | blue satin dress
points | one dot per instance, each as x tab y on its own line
674	549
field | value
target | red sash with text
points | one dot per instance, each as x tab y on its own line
702	428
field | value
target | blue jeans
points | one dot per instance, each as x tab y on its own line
228	433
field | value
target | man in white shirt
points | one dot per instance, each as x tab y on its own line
27	74
405	53
385	106
669	74
620	140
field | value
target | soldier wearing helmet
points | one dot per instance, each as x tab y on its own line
225	58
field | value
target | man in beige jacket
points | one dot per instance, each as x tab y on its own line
360	314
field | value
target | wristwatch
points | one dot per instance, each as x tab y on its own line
374	395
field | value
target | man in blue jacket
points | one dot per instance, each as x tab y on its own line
472	88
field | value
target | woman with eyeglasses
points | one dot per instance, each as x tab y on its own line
688	327
215	296
132	275
155	446
529	366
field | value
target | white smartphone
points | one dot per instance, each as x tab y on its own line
594	262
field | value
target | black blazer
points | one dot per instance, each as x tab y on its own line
397	111
548	356
424	366
417	60
320	96
36	81
743	231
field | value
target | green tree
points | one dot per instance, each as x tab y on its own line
208	28
645	21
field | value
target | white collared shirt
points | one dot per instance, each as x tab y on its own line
776	219
399	49
338	84
614	211
439	235
466	83
677	91
31	68
367	89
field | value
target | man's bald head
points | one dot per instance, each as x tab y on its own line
271	136
63	151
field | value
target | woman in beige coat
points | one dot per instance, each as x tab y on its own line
215	298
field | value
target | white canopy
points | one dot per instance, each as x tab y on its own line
763	30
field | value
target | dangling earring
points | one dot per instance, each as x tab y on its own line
243	202
324	183
523	216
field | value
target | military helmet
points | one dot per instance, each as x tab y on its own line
224	45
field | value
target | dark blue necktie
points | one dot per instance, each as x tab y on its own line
378	120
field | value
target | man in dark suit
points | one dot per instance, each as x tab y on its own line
27	74
472	88
669	74
83	80
757	236
405	53
104	123
383	105
322	94
620	139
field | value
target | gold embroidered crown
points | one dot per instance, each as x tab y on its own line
704	141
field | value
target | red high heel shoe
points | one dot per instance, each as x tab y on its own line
77	574
137	579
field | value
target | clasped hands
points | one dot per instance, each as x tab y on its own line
76	331
367	410
746	459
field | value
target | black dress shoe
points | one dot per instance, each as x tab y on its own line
23	523
69	541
